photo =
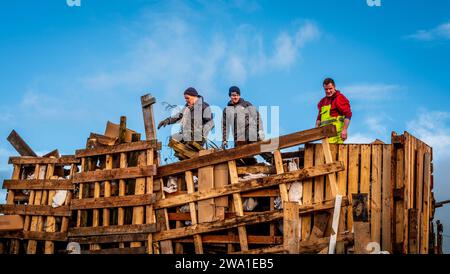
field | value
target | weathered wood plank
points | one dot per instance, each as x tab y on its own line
111	230
238	207
378	162
38	184
139	189
387	200
250	185
20	145
248	150
35	210
342	184
353	179
198	245
25	160
234	239
111	202
114	174
126	147
426	203
291	220
130	250
307	191
256	169
108	239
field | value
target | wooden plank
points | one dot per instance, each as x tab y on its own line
279	249
126	147
319	182
342	184
25	160
139	189
163	218
150	216
361	222
353	178
35	210
111	230
65	221
259	217
34	235
320	225
256	169
122	187
419	192
413	214
329	159
234	239
307	192
387	200
426	203
280	170
247	150
50	223
237	201
364	186
206	208
20	145
108	239
261	193
39	199
380	160
198	245
147	102
112	202
335	225
250	185
36	184
130	250
291	233
15	244
114	174
399	205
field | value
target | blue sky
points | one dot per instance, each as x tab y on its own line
66	70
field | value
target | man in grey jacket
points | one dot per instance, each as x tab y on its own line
196	119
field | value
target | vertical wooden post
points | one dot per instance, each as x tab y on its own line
193	212
291	233
14	243
361	223
238	206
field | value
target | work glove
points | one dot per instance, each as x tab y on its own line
224	144
163	123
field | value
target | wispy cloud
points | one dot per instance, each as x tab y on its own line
441	32
359	138
173	53
433	127
371	92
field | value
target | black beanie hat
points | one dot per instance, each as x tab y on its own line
191	91
234	89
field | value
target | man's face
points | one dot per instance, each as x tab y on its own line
330	89
235	97
190	100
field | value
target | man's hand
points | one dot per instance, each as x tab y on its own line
163	123
344	134
224	144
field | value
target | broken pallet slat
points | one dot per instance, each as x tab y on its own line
111	230
113	202
114	174
126	147
34	184
65	159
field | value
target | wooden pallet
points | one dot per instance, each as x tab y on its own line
114	205
43	224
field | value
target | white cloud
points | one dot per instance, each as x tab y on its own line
359	138
434	129
171	52
441	32
371	92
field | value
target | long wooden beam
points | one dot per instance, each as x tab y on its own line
35	235
110	202
125	147
259	217
263	182
38	210
20	145
222	156
25	160
39	184
111	230
114	174
108	239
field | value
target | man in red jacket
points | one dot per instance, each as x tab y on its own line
334	109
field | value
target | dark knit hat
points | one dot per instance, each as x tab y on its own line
191	91
234	89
